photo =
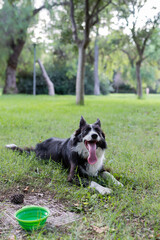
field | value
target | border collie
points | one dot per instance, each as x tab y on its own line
83	151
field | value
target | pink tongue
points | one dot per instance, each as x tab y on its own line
92	159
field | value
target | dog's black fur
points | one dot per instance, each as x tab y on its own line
73	152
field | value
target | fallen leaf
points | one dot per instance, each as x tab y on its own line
157	236
26	189
100	229
76	204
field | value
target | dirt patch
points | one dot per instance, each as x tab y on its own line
58	214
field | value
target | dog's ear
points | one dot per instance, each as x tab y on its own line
82	122
77	132
98	122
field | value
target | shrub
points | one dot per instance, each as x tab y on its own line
63	83
57	74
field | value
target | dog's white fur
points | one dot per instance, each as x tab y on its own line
10	145
102	190
92	169
107	175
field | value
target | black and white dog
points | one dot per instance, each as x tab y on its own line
83	151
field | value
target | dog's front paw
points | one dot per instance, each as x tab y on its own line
110	177
102	190
105	190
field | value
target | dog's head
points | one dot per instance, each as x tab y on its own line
92	136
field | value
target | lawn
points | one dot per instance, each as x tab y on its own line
132	129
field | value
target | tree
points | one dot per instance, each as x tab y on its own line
110	56
83	15
16	18
96	76
49	83
140	35
14	24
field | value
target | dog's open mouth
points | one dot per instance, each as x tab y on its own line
91	147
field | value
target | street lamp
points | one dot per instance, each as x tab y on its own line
34	69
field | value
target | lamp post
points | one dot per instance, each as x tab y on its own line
34	70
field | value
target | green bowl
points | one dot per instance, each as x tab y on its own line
32	217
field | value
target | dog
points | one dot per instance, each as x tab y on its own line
83	152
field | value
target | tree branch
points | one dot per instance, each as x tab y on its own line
49	6
37	10
87	23
49	83
96	11
106	5
95	8
74	26
131	59
146	39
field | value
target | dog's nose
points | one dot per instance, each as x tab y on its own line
94	136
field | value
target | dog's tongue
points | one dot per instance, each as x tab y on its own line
92	159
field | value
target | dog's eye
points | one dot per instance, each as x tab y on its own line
96	129
88	129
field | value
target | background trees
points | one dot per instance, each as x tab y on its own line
84	15
125	47
140	35
15	20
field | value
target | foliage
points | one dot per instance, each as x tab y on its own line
14	22
129	12
57	74
117	50
15	19
64	82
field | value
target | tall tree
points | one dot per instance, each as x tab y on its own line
16	17
130	11
15	20
50	85
84	15
96	75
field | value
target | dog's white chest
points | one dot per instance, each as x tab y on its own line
92	170
81	150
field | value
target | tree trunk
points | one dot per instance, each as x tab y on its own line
49	83
80	75
96	77
139	81
10	82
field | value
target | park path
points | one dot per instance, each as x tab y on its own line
59	215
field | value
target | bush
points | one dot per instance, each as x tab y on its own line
124	88
63	83
57	74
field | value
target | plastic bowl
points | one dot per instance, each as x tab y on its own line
32	217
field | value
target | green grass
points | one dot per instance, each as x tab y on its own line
132	130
